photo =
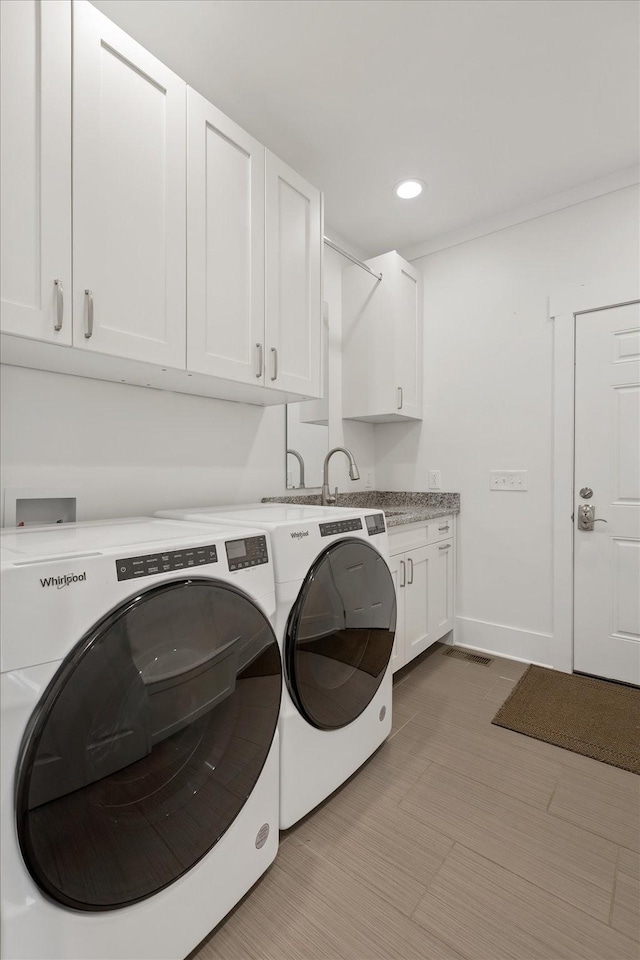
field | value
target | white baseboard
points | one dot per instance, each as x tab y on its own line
501	641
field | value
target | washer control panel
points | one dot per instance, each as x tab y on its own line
375	524
340	526
130	568
248	552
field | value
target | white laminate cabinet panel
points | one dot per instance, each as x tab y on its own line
35	139
382	321
293	281
422	563
225	265
129	195
407	536
441	588
418	601
439	529
408	353
398	568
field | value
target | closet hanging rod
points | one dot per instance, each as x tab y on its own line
334	246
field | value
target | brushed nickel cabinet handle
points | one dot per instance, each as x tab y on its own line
59	305
275	363
404	573
89	301
400	398
447	546
410	571
444	528
260	350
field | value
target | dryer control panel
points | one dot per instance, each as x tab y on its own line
340	526
130	568
248	552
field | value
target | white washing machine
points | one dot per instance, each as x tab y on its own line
335	618
141	687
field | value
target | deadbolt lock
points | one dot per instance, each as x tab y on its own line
586	493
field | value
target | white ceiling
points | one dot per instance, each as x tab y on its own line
495	103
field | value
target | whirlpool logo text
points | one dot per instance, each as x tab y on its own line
64	581
298	534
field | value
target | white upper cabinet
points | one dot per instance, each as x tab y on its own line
35	268
293	330
231	310
382	333
129	185
225	242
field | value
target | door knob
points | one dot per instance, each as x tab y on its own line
587	517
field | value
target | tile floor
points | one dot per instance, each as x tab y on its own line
458	839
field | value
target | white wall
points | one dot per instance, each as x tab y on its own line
127	450
488	405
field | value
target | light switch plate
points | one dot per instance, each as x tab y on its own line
512	480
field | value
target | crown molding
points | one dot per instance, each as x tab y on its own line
531	211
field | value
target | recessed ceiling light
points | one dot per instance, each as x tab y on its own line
409	189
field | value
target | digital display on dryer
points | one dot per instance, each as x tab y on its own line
236	550
375	524
249	552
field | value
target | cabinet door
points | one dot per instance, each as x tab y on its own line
129	182
35	269
418	602
408	329
225	243
382	341
293	281
441	588
398	568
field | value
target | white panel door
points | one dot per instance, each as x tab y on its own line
408	346
293	281
129	210
417	602
225	243
398	568
607	462
441	589
35	131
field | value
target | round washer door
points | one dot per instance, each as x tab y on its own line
147	743
340	634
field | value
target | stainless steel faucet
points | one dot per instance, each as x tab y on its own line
327	497
298	456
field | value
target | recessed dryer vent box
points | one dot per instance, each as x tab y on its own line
32	506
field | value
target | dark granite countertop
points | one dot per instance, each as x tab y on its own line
399	507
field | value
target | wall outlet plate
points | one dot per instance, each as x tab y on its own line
512	480
435	479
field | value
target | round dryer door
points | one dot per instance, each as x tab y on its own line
147	743
340	634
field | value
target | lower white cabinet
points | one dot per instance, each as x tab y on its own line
422	567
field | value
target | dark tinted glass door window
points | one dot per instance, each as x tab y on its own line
340	634
147	743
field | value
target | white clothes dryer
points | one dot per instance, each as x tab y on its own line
141	685
335	619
